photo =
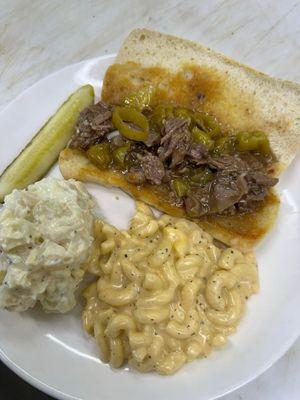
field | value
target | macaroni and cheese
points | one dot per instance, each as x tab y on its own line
166	294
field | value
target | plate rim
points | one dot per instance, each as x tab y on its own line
43	387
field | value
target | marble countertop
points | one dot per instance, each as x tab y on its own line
38	37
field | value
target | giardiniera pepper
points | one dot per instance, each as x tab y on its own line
252	141
124	116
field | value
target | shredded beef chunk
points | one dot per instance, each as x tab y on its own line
226	190
176	141
258	184
93	124
222	193
198	154
227	162
260	179
256	161
144	166
235	187
152	167
197	202
153	139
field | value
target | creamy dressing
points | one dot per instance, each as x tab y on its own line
46	232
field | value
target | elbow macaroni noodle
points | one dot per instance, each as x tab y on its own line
165	294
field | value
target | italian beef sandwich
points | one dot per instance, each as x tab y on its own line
192	133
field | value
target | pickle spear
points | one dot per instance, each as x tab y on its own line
42	151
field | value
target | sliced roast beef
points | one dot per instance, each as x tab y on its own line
240	162
176	141
198	154
168	177
261	179
197	202
152	167
259	185
257	161
222	193
228	162
92	125
141	162
153	138
173	125
180	150
182	169
226	190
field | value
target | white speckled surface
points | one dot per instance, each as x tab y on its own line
38	37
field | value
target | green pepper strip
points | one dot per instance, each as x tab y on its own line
122	115
184	113
180	186
252	141
224	145
202	137
202	176
99	154
119	154
161	113
207	124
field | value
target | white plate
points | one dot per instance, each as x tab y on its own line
53	353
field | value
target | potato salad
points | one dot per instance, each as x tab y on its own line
46	233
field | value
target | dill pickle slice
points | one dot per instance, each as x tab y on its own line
42	151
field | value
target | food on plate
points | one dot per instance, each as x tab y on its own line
192	133
166	294
46	235
186	130
40	154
